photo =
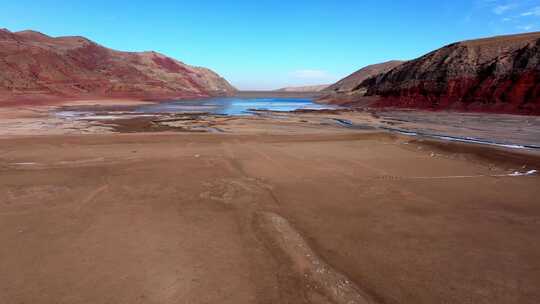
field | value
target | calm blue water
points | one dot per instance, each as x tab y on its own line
233	105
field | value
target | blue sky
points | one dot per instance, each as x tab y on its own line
268	44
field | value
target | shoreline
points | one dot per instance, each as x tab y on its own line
500	129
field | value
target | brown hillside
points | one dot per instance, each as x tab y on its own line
498	74
35	66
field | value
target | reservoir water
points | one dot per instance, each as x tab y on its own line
233	106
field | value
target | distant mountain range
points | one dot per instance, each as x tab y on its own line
498	74
34	66
314	88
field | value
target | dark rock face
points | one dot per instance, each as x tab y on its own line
499	74
36	66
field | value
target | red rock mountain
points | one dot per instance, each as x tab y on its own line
498	74
34	66
348	83
344	91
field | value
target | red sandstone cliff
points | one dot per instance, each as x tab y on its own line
498	74
34	66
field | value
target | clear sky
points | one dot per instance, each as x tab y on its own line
267	44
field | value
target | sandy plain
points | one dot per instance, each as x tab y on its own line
273	208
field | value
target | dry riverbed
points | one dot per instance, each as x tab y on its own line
322	207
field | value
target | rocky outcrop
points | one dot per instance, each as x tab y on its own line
34	66
498	74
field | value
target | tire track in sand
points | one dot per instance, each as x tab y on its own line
318	282
319	279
